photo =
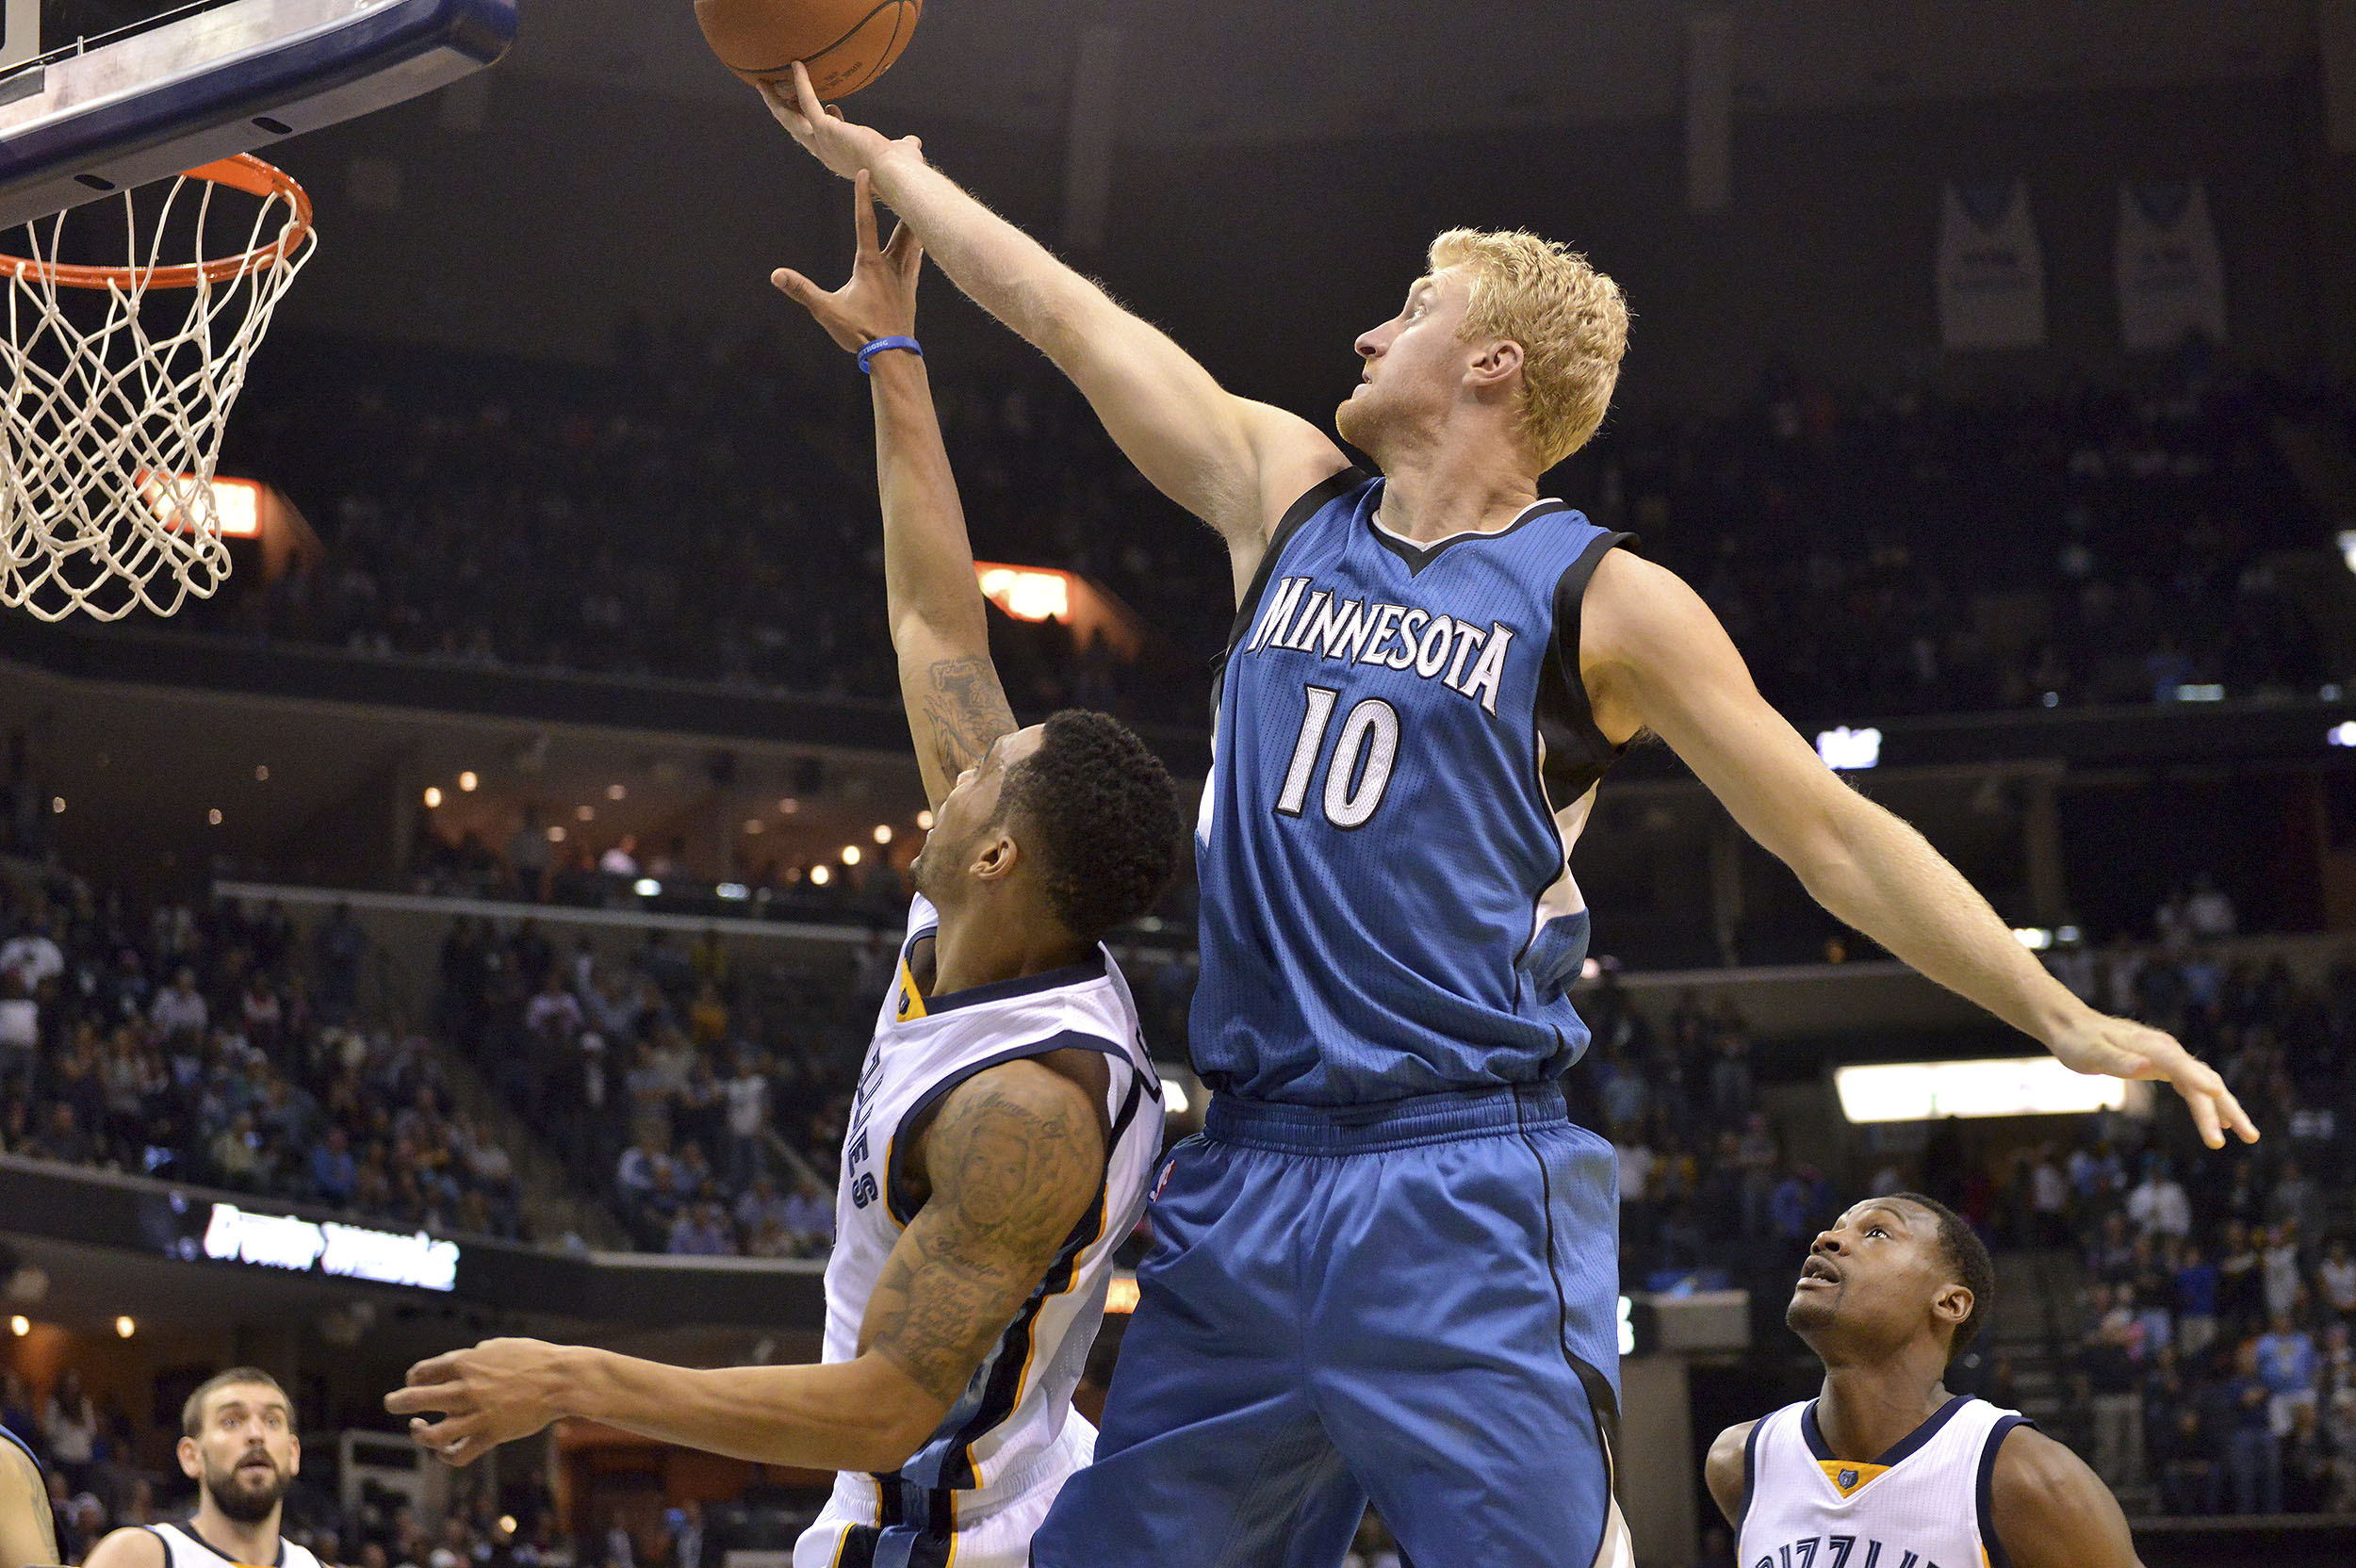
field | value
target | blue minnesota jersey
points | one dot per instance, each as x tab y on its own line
1404	759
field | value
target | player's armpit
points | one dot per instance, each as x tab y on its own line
1014	1159
2052	1511
1723	1470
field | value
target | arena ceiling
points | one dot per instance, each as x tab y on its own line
1274	70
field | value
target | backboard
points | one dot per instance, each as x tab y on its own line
98	96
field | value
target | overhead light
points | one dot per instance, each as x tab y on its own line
467	781
850	855
125	1328
1026	592
57	805
556	833
924	821
615	792
883	832
1846	751
20	1325
2348	548
2016	1086
587	813
507	1524
1121	1295
2035	938
2201	691
646	887
433	796
261	773
754	825
787	807
820	876
213	816
735	892
2342	734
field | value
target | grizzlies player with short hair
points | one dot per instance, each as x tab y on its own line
1390	1265
237	1442
1884	1468
1007	1118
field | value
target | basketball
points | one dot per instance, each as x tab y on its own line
845	43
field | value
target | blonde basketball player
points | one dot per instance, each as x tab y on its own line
1005	1120
237	1442
1884	1468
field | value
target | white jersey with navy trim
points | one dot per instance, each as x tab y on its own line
185	1548
1923	1504
1008	1435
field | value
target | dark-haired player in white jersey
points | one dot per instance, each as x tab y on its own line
237	1442
1007	1118
1884	1468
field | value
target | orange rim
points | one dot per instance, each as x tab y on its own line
244	172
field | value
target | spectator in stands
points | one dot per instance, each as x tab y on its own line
69	1429
2158	1206
2335	1277
699	1230
528	853
2253	1457
2107	1360
32	954
2288	1363
335	1174
2195	1286
179	1006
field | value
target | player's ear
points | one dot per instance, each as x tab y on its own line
1497	363
191	1463
995	861
294	1455
1952	1305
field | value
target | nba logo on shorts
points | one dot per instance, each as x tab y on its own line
1163	1180
1848	1479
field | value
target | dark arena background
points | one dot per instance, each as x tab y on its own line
505	864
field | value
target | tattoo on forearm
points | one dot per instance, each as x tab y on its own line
1013	1170
966	710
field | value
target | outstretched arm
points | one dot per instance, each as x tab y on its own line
1234	463
1014	1159
1654	658
939	630
2052	1512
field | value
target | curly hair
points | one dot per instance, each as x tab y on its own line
1103	816
1966	1254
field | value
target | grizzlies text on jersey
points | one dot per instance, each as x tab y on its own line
1404	759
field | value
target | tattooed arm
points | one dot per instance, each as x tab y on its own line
1013	1159
939	629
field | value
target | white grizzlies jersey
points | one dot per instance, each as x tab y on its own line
1925	1504
183	1548
1007	1434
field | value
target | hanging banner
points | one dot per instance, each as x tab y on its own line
1991	274
2170	282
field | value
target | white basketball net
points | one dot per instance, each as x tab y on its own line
112	401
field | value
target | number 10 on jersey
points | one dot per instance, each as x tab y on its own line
1359	770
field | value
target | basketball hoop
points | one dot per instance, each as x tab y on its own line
112	403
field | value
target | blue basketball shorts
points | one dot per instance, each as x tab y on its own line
1414	1303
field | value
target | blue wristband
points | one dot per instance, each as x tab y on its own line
880	345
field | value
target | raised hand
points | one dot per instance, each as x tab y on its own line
2125	1049
500	1391
879	301
820	129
